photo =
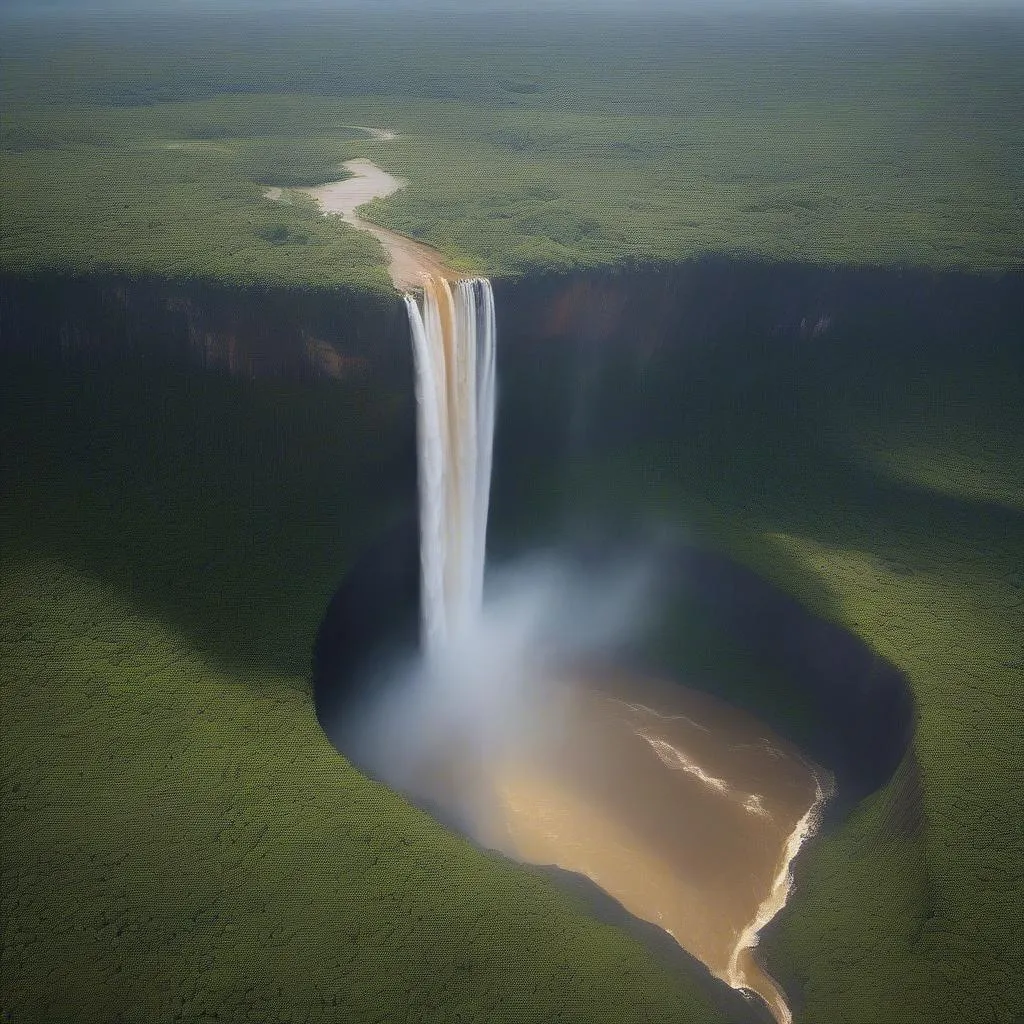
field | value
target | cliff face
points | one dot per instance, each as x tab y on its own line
245	332
661	351
604	346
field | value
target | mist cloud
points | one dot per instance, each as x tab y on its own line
438	726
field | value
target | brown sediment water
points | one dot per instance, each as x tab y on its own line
409	260
686	810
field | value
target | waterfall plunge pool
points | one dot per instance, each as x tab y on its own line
591	756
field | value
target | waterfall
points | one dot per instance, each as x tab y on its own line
453	337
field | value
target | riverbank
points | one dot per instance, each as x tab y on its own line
408	260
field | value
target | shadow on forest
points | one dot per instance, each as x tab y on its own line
204	516
223	508
229	508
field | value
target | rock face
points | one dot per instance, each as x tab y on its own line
616	354
244	332
663	350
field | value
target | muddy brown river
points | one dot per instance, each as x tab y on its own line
408	260
686	810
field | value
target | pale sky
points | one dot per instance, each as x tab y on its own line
622	6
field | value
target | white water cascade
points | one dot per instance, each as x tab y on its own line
453	336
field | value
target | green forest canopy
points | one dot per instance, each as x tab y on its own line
573	145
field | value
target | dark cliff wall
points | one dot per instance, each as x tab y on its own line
245	332
592	359
583	358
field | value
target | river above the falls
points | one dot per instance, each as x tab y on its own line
408	260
